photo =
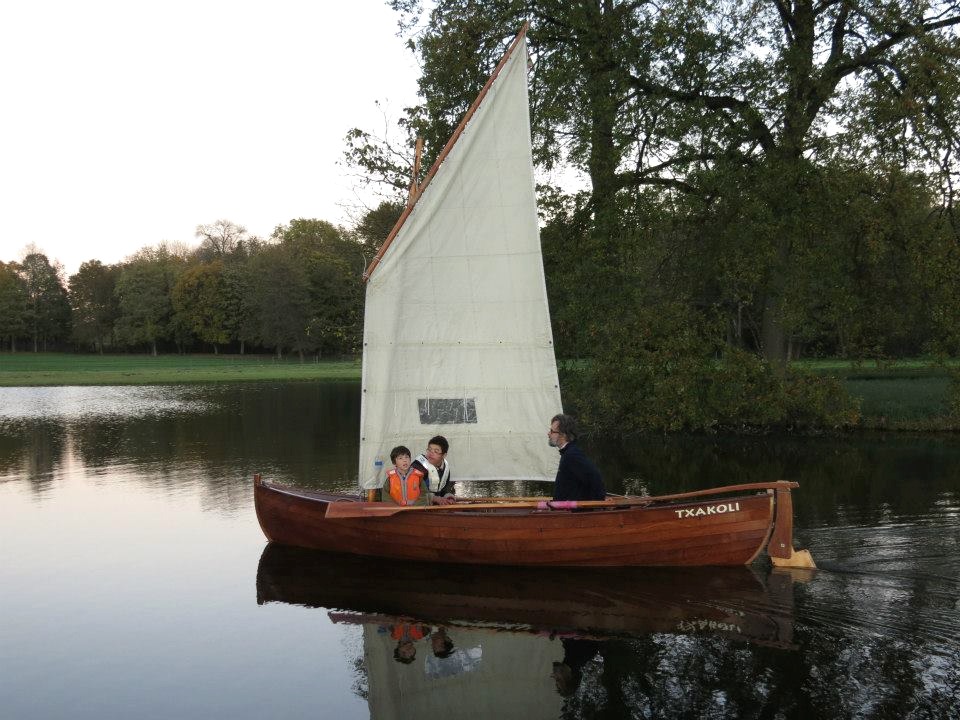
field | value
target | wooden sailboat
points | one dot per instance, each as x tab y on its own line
457	342
720	526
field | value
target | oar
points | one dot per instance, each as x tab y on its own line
358	509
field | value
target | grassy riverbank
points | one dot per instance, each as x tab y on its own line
906	395
20	369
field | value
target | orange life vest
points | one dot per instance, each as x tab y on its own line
404	491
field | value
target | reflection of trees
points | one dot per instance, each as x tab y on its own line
881	677
836	674
11	448
680	676
361	683
886	639
866	476
307	434
32	451
303	433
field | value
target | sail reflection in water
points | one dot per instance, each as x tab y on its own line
512	642
487	673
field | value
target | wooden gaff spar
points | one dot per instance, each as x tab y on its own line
457	342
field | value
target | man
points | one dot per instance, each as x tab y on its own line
577	477
433	464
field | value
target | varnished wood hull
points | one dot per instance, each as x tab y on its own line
721	529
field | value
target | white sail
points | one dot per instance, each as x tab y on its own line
457	339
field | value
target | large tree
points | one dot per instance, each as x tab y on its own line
375	225
279	299
202	303
238	278
94	303
221	238
333	263
143	293
49	310
675	99
14	304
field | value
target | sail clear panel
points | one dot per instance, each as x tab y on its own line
444	411
456	311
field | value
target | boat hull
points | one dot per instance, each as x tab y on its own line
722	530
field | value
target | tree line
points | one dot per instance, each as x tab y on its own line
298	292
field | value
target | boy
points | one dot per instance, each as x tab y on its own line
404	485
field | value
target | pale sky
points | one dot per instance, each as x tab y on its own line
124	123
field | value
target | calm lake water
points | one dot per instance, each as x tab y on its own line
135	581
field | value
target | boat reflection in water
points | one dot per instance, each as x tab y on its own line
513	641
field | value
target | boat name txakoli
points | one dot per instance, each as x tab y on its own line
708	510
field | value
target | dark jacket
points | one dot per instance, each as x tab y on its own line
577	477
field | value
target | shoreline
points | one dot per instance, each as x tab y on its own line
59	369
909	398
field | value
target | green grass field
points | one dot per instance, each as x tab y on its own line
873	368
21	369
898	400
901	395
